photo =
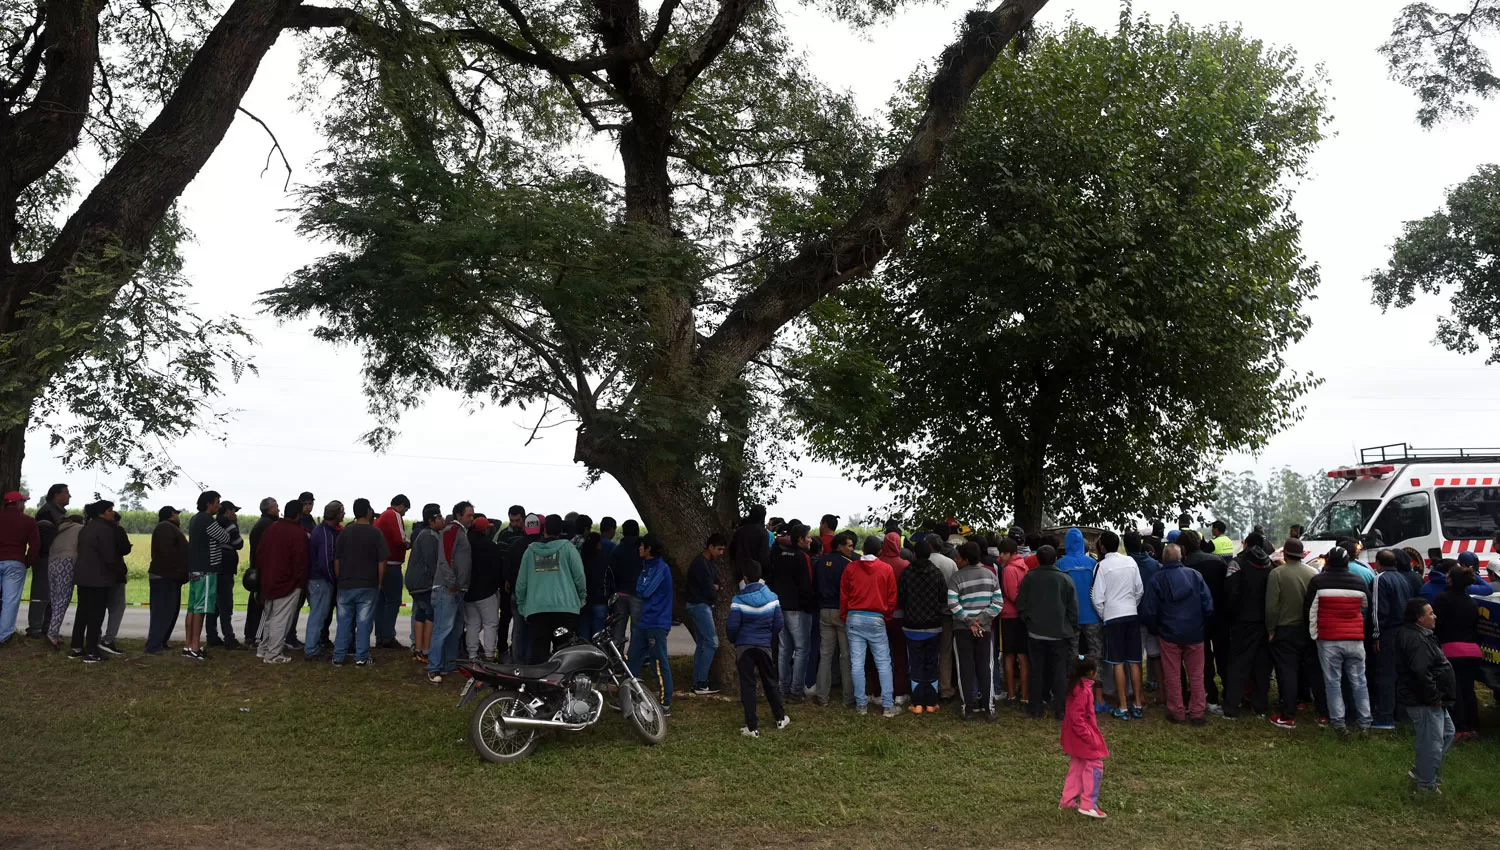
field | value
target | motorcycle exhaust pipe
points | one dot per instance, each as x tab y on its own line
538	723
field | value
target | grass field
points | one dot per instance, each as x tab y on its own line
147	752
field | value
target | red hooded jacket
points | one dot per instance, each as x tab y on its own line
1010	587
867	586
1081	737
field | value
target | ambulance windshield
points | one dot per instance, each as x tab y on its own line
1346	518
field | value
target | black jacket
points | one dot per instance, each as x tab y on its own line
1215	572
750	543
513	555
1423	676
486	571
791	579
922	596
1245	595
1457	617
256	531
102	547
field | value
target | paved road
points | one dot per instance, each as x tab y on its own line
137	620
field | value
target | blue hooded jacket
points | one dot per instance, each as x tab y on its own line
654	587
1148	567
1177	605
754	616
1080	568
1437	582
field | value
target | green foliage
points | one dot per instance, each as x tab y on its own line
1438	56
1095	304
1456	249
1285	498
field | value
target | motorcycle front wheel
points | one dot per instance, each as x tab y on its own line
643	713
496	743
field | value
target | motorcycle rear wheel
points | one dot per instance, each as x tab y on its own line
643	713
497	744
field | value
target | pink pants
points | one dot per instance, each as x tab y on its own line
1081	788
1174	656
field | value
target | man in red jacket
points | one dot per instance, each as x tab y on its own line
867	598
392	525
19	544
282	558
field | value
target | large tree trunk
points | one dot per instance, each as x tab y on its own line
12	452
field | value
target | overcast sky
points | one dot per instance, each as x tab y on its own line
296	426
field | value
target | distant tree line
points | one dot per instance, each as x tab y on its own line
1275	501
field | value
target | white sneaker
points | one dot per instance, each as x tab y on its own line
280	659
784	722
893	711
1093	813
1215	709
749	733
901	700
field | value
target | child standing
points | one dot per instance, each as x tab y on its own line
754	616
1084	744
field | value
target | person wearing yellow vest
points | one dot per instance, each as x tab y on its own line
1223	546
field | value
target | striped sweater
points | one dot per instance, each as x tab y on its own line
974	595
754	616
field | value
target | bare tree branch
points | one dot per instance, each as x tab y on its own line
702	53
275	148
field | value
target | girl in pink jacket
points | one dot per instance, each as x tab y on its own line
1084	744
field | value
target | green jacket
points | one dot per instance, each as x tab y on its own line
1048	603
551	579
1286	588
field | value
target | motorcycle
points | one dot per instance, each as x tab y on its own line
559	695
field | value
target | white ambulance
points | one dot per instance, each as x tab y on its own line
1430	501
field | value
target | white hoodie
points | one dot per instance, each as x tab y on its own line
1117	587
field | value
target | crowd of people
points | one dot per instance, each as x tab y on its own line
913	620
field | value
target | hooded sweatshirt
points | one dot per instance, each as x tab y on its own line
791	578
754	616
1010	586
551	579
867	585
1388	601
1080	568
654	587
1437	581
1048	602
890	552
625	564
455	560
1177	606
1245	593
1117	589
1081	737
1148	567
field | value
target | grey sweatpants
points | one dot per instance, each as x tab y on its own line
116	612
275	620
482	626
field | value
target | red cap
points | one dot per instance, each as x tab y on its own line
482	523
15	496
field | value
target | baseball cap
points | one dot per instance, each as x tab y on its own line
533	524
1293	548
227	505
1173	535
166	513
482	524
431	511
15	496
1468	559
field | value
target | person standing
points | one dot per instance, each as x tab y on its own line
270	511
945	566
1143	552
1048	605
653	588
1083	742
1457	632
361	556
1116	596
1388	598
1016	665
1287	631
791	581
392	525
867	598
1214	571
754	619
166	576
227	558
625	566
482	601
20	543
550	589
61	558
450	581
1426	688
974	601
1177	608
204	532
1250	652
322	578
419	572
922	593
595	556
1337	601
751	543
102	547
52	510
282	560
1079	567
828	574
702	595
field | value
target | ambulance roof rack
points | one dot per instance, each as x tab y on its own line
1404	453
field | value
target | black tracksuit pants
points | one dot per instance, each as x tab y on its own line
1049	674
974	658
1249	663
754	663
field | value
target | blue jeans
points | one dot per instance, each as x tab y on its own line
591	619
319	597
706	637
795	641
12	581
356	617
166	604
650	646
1434	737
868	631
390	604
447	623
1340	658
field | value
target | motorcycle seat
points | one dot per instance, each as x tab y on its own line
525	671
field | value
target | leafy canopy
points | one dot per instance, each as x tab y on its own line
1096	301
1439	55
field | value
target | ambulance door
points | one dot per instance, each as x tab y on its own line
1406	521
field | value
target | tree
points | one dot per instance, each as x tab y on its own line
95	341
1285	498
480	251
1094	305
1456	249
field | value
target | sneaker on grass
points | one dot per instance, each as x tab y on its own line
784	722
893	711
109	647
749	733
434	678
1093	813
279	659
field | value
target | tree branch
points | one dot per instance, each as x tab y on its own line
39	136
702	53
275	148
882	219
